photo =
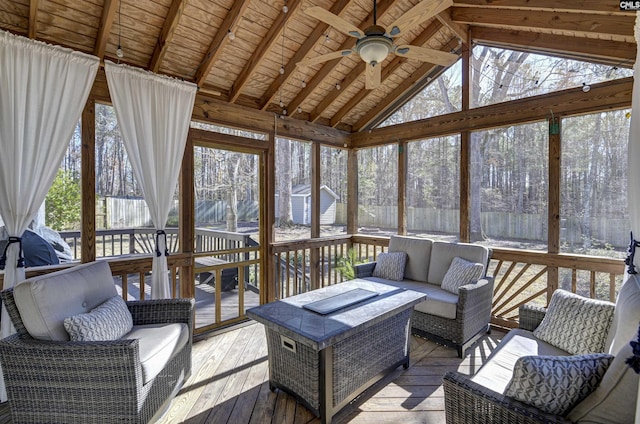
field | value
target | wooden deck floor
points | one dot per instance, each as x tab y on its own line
229	385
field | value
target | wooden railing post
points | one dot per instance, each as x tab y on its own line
352	192
187	219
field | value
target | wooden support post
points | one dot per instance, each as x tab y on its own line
402	187
315	214
267	221
465	147
553	237
88	183
352	192
186	230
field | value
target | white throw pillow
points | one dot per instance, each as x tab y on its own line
461	272
576	324
108	321
555	384
390	266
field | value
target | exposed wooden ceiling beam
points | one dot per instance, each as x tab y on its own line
106	22
328	67
215	49
619	28
592	6
460	30
387	70
314	38
168	30
208	109
605	51
33	19
614	94
274	34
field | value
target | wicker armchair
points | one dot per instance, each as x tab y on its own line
467	402
92	382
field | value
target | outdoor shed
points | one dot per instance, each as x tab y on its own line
301	204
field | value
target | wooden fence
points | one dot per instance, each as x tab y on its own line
496	225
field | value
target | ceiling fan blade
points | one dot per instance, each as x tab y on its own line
334	20
426	55
324	58
373	76
417	15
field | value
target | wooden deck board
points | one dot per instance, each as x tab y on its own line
229	384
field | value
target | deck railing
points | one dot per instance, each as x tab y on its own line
520	276
127	241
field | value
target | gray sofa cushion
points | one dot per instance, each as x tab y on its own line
418	252
442	254
158	344
46	300
439	302
497	371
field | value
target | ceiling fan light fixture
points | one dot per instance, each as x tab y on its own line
374	48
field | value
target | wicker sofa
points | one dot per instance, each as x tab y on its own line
130	379
454	320
608	398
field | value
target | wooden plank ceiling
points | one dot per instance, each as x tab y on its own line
189	39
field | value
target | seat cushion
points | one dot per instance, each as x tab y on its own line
439	302
390	266
443	253
497	371
554	384
576	324
418	252
108	321
46	300
158	344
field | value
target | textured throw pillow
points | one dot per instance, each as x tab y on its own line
390	266
460	273
554	384
108	321
576	324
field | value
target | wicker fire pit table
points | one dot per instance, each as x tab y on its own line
328	345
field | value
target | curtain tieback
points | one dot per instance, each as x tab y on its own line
3	258
166	249
632	253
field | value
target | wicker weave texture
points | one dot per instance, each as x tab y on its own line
299	371
356	360
473	314
467	402
90	382
361	357
531	316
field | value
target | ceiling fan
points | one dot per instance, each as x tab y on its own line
375	43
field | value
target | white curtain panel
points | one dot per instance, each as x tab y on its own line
153	113
633	158
43	91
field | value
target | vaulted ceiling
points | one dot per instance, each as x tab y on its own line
190	39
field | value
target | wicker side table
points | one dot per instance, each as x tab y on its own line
327	360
